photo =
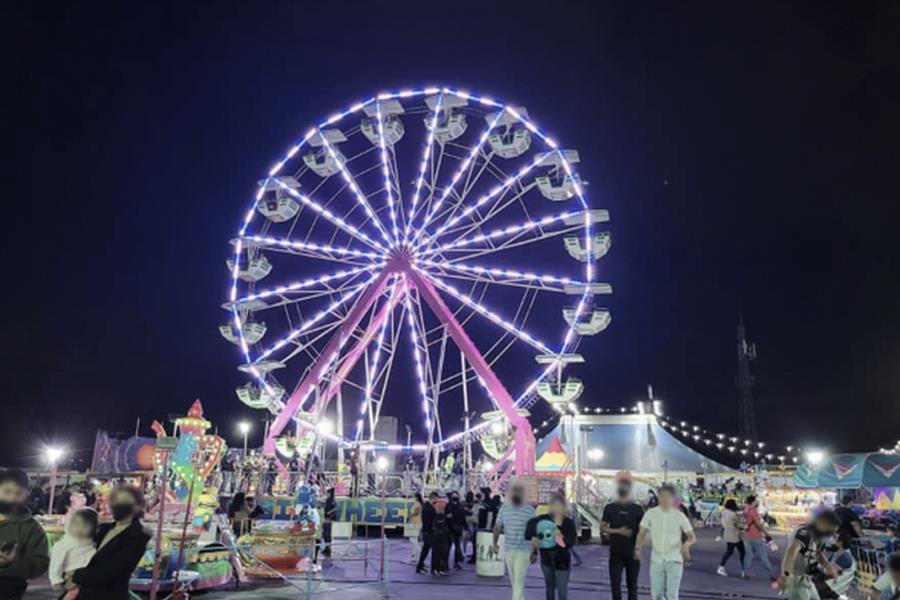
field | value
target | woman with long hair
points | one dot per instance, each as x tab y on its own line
733	528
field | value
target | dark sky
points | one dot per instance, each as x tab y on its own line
749	154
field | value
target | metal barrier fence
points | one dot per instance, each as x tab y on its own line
871	554
363	563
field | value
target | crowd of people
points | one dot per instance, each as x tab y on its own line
92	561
95	560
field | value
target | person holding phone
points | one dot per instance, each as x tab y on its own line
24	553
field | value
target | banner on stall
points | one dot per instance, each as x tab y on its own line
362	511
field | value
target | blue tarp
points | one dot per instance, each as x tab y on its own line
851	471
842	471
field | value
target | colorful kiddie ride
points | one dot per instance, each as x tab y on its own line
189	550
278	547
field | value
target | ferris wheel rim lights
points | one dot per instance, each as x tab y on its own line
423	246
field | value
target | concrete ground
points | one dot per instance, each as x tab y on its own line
349	580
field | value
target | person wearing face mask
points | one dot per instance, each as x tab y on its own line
806	556
621	521
23	543
120	546
512	520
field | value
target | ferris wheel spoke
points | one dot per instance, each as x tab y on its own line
321	315
329	216
545	227
309	287
463	169
386	173
493	194
419	366
498	276
354	188
487	313
423	165
314	249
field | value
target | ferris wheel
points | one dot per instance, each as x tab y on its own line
427	254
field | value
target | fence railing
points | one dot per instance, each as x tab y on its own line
363	563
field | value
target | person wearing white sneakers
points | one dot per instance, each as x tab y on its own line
733	527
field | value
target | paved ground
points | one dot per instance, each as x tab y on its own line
348	581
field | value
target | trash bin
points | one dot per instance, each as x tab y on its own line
488	564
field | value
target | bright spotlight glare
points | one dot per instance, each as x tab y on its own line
53	454
814	457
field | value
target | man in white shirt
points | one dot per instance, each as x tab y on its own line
671	538
511	522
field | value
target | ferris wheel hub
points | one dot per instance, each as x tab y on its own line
399	260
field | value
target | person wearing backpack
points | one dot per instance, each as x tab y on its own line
733	527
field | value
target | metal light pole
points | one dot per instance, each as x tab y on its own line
53	455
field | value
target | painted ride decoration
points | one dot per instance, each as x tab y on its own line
280	545
188	548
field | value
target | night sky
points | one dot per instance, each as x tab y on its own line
749	156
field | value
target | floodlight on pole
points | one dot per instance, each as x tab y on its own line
244	428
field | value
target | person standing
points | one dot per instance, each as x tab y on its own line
331	513
805	555
512	519
733	527
665	525
621	521
851	526
413	528
756	538
120	546
553	536
456	519
23	543
429	514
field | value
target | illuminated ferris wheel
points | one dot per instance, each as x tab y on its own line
428	250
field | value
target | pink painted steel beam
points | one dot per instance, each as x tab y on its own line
315	373
355	353
524	444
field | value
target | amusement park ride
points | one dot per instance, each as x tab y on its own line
341	249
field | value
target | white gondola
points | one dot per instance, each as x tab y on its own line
257	268
579	289
247	305
510	143
562	359
556	189
555	394
599	320
553	158
254	397
447	102
449	128
393	127
393	130
600	245
263	367
277	204
322	163
593	216
253	332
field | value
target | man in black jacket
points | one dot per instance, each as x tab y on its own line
429	512
456	516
